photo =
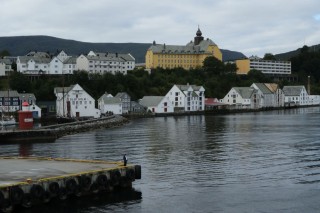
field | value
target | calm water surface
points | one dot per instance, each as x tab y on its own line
251	162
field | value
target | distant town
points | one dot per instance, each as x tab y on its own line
74	101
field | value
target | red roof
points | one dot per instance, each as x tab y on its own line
212	102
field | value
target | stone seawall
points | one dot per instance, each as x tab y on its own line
52	132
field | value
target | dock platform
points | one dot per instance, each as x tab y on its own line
33	180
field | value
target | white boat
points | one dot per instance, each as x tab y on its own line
7	121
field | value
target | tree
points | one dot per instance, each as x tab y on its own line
213	65
269	56
4	53
19	82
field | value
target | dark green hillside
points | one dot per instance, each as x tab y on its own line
21	45
288	55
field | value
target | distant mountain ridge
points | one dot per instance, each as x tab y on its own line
21	45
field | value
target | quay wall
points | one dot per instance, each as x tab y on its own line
52	132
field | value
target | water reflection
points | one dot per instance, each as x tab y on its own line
250	162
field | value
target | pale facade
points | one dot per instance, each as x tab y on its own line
75	102
188	57
267	96
125	100
295	95
157	104
101	63
187	98
107	104
242	98
265	66
42	63
5	67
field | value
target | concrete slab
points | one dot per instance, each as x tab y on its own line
15	170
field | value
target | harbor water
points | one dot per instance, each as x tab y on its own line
248	162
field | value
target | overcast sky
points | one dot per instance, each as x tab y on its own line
253	27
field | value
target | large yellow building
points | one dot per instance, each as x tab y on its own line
190	56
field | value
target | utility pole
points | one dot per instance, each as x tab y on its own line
309	85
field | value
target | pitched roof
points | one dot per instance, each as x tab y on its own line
272	87
245	92
39	60
63	89
263	88
190	48
9	93
70	60
121	94
5	61
186	87
27	95
150	101
120	57
292	90
110	100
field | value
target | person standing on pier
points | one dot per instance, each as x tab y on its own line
125	160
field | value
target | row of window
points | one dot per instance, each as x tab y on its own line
177	56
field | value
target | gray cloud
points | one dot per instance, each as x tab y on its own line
249	26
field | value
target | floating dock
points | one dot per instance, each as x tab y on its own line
31	181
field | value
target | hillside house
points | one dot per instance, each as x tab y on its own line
101	63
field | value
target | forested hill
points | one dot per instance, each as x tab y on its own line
288	55
21	45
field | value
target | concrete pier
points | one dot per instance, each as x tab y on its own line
52	132
30	181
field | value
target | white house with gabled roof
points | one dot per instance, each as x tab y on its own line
266	95
187	98
107	103
157	104
75	102
295	95
242	98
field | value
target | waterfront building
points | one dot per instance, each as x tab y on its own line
30	98
75	102
9	101
137	108
314	99
270	95
187	98
213	103
157	104
271	67
242	98
278	94
5	67
126	101
107	103
101	63
295	96
188	56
